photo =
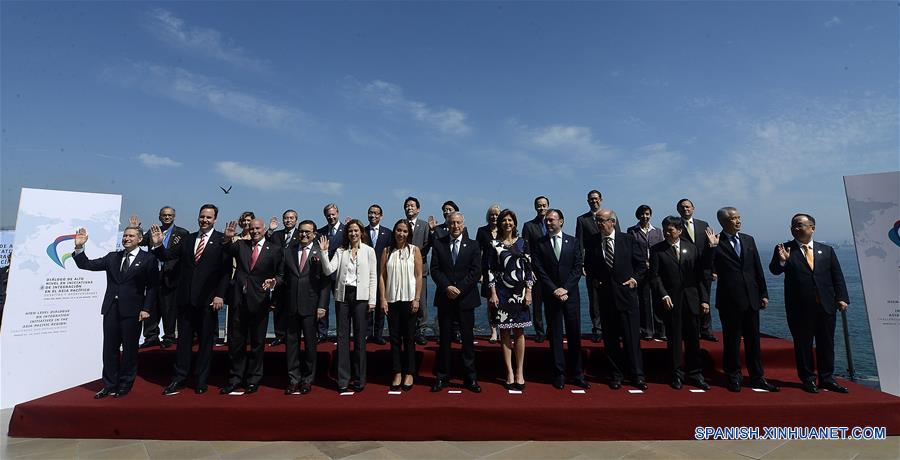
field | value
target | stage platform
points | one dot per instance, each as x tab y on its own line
541	412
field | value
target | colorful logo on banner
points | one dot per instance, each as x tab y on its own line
894	234
54	256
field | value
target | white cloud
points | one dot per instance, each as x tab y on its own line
834	21
569	143
654	160
155	161
198	40
390	97
273	179
203	93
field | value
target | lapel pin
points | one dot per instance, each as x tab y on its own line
820	252
684	251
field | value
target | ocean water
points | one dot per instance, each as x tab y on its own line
772	320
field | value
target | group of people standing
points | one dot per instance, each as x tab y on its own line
643	283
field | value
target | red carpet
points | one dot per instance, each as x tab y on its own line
541	413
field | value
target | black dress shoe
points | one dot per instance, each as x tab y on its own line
646	337
379	340
201	389
277	341
810	387
357	388
595	337
709	337
581	383
438	385
639	383
121	392
322	339
733	386
762	384
343	389
406	387
394	387
539	338
228	388
173	388
473	386
166	344
421	340
676	383
104	393
835	387
150	343
305	388
292	389
252	388
615	384
699	382
457	337
559	384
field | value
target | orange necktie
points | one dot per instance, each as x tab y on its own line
809	255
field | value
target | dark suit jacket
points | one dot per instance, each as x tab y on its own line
563	273
630	262
532	231
306	291
277	237
268	263
464	274
586	227
420	239
199	282
741	281
384	240
683	280
335	241
803	285
135	290
702	242
169	273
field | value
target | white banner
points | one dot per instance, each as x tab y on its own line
875	217
52	328
6	244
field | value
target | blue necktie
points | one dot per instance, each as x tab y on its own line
737	244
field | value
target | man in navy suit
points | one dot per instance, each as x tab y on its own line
202	281
695	232
456	268
616	264
558	259
741	293
814	290
334	231
258	264
380	238
532	231
132	278
281	238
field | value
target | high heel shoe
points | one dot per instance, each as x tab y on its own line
493	340
510	385
395	387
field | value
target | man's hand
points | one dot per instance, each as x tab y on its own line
156	235
667	303
765	303
712	238
230	229
320	313
560	292
81	237
704	308
631	283
783	252
217	303
452	292
269	284
431	223
143	315
842	306
273	224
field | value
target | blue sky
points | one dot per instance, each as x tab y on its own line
764	106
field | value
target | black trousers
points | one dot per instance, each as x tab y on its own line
735	325
279	320
203	321
124	331
537	309
446	316
559	314
351	312
300	371
375	322
322	324
402	327
594	305
706	318
422	315
246	326
166	311
620	337
810	323
683	326
652	324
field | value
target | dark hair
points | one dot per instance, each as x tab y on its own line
683	200
289	210
132	227
210	206
413	199
247	214
380	211
597	192
510	213
363	236
811	219
400	222
166	207
308	222
451	204
329	206
558	213
641	209
542	197
677	221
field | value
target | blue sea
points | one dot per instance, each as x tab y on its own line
772	320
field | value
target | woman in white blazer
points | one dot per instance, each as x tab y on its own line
355	287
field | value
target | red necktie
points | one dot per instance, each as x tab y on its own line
303	259
254	256
200	246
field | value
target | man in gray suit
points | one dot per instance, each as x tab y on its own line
420	239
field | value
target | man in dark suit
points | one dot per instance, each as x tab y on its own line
132	277
437	231
532	231
305	300
814	290
168	277
282	238
695	232
203	276
740	294
678	282
456	267
249	299
334	231
558	260
616	263
586	228
419	237
381	238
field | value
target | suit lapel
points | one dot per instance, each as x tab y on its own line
729	249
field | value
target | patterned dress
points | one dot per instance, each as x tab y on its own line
510	274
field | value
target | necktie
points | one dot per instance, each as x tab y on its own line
556	247
200	246
690	230
737	244
287	236
374	236
125	262
254	256
609	255
807	250
303	258
455	250
333	230
677	254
